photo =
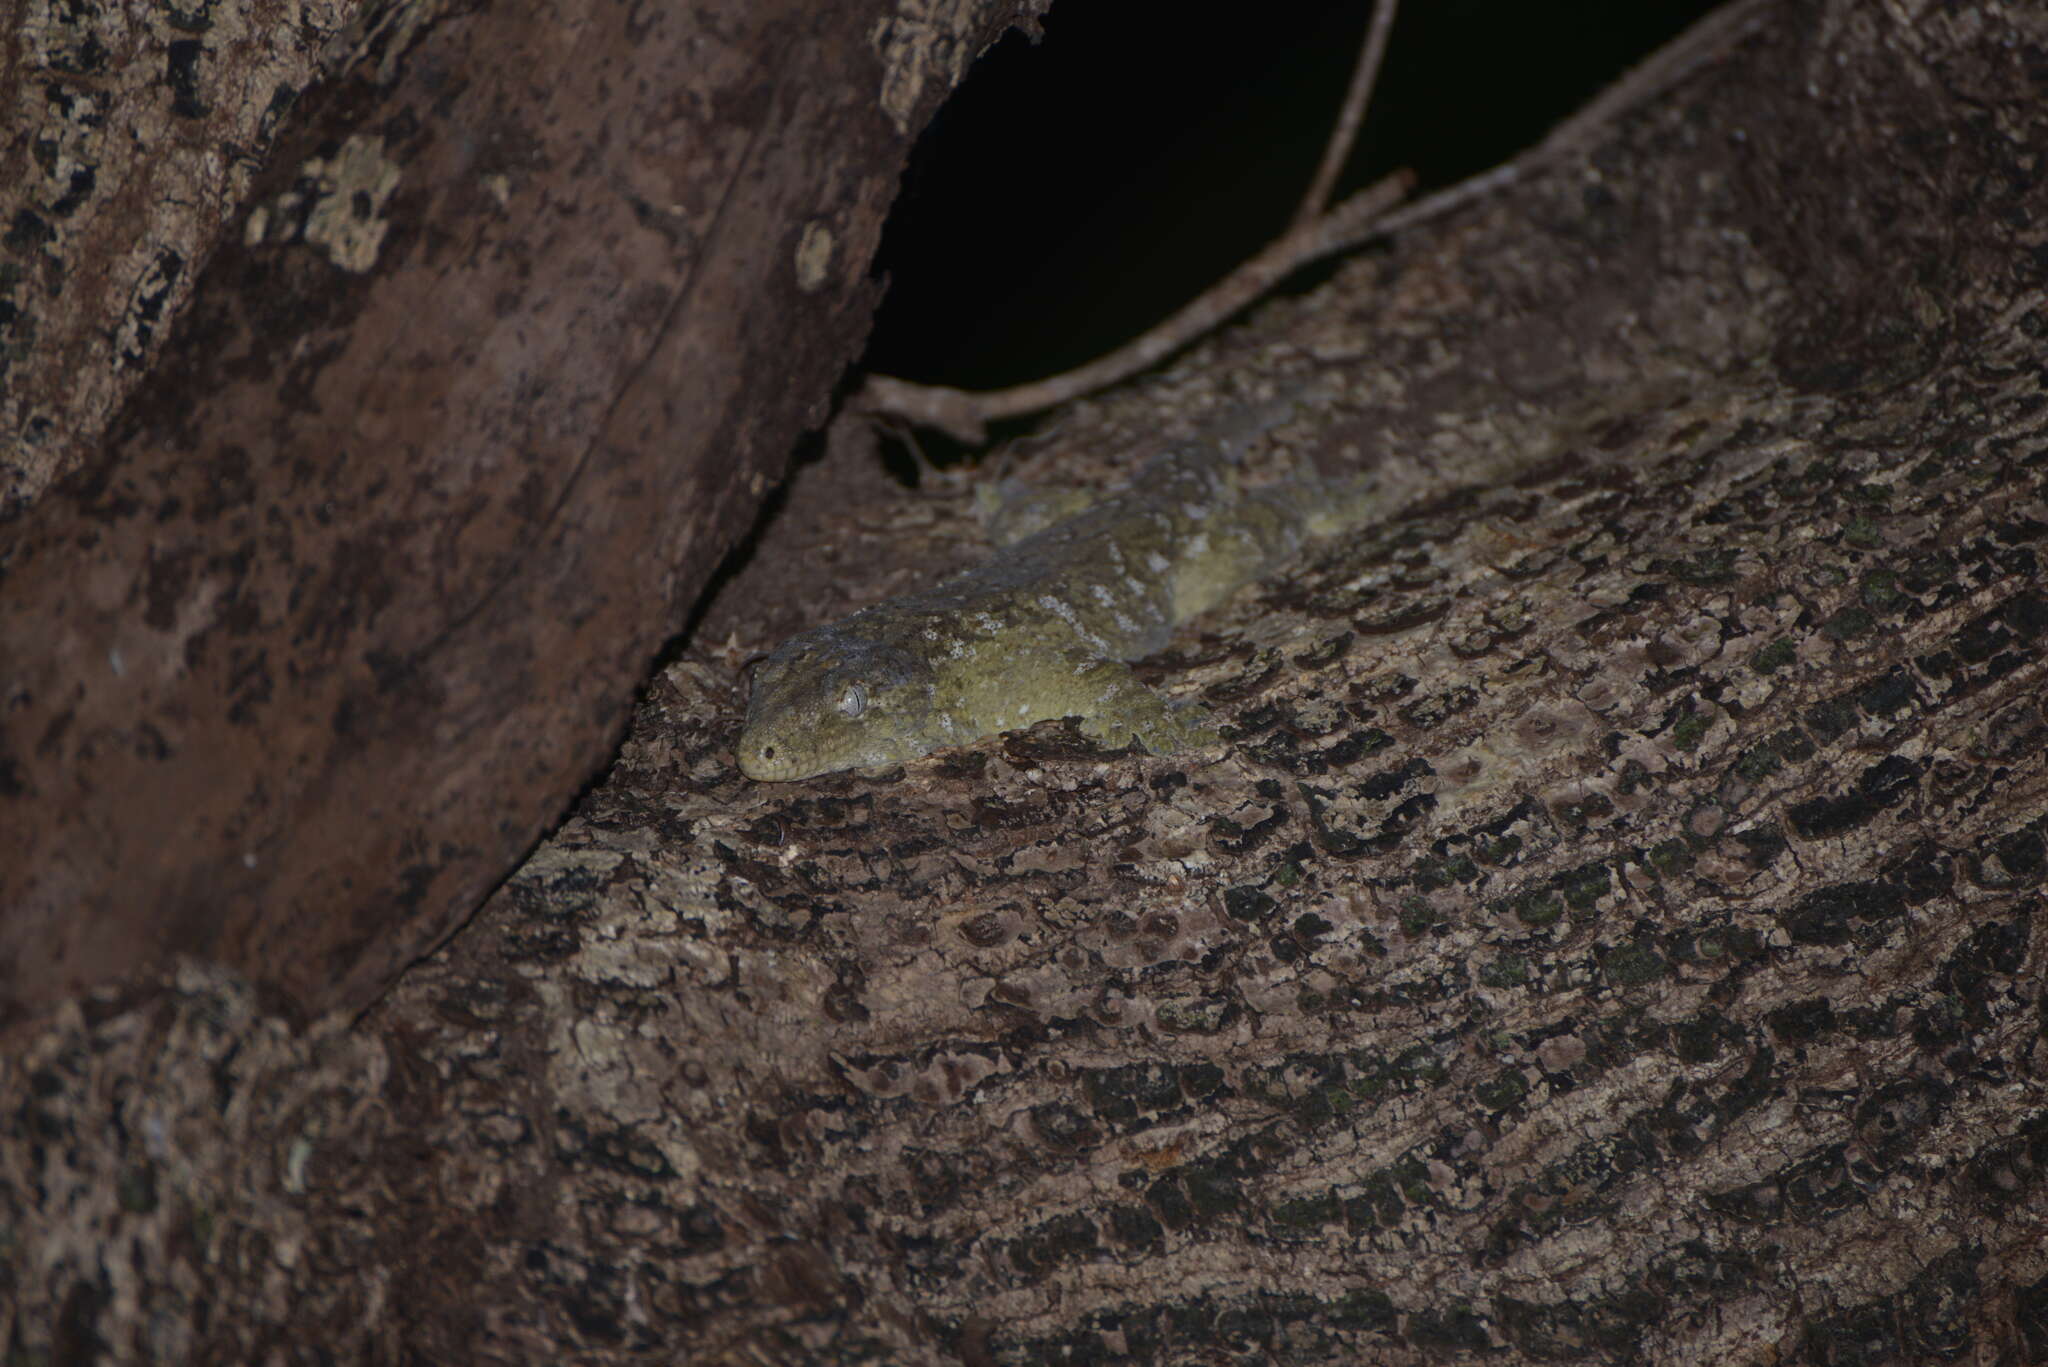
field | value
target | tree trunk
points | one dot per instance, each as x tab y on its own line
490	372
129	136
1610	934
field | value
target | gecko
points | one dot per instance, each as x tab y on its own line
1044	629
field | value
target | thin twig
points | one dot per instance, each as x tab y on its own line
1662	69
964	414
1338	150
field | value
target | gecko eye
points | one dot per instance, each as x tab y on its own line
854	700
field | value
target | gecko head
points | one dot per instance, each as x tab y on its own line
827	701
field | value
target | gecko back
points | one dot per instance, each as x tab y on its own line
1042	630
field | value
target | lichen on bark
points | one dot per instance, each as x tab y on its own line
133	133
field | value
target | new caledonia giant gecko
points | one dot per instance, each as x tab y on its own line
1044	629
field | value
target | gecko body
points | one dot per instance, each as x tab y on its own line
1044	629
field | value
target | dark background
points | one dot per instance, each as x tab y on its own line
1074	192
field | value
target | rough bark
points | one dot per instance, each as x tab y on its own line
129	135
498	362
1612	933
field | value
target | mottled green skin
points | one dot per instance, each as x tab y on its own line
1040	631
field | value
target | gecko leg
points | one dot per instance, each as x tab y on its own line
1124	710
